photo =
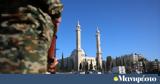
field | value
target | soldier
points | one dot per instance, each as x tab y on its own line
28	35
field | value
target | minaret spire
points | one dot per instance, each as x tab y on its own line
78	24
97	29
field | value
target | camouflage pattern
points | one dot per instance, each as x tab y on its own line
25	37
55	7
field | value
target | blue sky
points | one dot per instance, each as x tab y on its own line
127	26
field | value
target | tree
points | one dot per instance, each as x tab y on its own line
124	62
58	68
80	66
72	64
91	65
108	63
103	66
86	65
120	62
117	64
62	63
67	65
156	60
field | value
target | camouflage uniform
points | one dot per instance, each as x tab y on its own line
26	31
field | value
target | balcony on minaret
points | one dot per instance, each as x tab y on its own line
78	26
98	30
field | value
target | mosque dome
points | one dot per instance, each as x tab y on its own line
74	52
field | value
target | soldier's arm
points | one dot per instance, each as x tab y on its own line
54	10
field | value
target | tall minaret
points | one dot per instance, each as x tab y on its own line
99	51
78	37
78	47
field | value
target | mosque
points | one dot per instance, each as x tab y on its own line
78	55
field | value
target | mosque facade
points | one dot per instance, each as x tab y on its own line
80	60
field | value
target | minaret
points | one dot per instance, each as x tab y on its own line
78	37
78	47
99	51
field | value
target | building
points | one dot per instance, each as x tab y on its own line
119	70
134	57
82	62
155	66
132	62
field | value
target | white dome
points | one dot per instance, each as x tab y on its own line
75	51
